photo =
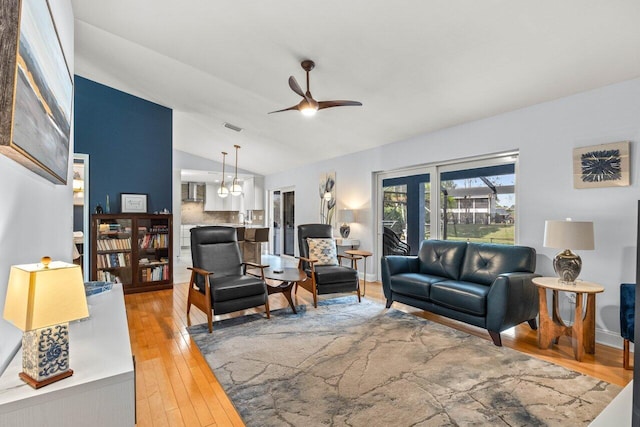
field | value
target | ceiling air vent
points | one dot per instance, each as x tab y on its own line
232	127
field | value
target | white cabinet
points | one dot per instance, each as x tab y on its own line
252	198
101	391
254	194
213	202
185	237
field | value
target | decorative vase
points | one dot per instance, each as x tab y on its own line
345	229
99	209
107	207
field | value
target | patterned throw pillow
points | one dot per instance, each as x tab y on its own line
324	250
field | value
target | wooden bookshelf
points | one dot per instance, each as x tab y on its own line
133	249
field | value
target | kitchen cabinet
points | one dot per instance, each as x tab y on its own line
185	235
254	194
252	198
213	202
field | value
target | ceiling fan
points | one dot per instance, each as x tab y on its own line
308	106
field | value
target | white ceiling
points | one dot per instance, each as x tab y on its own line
416	65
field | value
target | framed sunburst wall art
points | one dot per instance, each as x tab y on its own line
605	165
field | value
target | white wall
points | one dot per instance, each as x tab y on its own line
545	136
36	218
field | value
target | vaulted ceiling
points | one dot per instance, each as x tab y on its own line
416	65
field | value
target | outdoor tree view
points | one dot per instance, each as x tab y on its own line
479	209
474	206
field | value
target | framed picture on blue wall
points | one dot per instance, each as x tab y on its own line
133	203
35	102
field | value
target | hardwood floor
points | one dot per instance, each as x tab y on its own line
175	387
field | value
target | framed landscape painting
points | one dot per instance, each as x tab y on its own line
36	92
605	165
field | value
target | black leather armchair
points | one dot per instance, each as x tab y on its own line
325	279
219	283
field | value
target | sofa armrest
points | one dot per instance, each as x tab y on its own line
396	264
512	299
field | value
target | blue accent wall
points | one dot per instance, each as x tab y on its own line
129	143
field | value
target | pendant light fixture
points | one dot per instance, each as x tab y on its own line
223	191
236	188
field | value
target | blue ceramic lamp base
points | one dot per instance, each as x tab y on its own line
45	355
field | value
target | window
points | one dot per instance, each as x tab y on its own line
476	202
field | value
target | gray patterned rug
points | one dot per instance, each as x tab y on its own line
350	364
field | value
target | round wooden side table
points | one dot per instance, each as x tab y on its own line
583	329
365	255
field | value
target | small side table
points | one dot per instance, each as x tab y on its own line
583	329
365	255
353	243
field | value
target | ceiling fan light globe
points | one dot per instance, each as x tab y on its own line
308	111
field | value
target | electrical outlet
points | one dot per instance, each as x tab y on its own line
571	297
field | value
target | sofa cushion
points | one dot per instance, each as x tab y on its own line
483	262
441	258
461	296
413	284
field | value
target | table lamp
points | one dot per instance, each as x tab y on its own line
568	235
41	300
346	216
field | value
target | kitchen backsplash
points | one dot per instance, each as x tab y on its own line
194	213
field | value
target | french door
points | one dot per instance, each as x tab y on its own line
283	218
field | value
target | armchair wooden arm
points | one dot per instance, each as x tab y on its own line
254	265
199	271
309	260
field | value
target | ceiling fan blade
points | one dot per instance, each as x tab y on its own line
328	104
295	107
293	84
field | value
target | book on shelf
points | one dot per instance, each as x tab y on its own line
154	241
107	276
155	274
113	244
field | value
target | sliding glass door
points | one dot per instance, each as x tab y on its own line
406	208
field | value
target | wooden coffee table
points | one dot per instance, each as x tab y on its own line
284	279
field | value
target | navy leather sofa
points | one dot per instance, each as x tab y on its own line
485	285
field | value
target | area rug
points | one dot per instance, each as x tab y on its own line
350	364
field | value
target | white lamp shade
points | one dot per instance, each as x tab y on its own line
569	234
38	297
346	216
